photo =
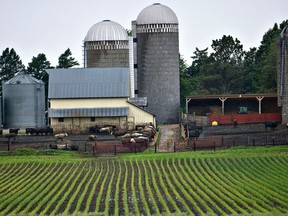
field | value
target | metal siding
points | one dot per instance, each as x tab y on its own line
24	105
88	112
88	82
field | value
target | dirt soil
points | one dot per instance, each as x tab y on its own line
169	136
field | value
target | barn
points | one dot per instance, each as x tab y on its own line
83	97
224	109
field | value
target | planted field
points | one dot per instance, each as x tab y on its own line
214	183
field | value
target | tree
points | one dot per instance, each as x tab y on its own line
37	67
10	64
66	60
222	71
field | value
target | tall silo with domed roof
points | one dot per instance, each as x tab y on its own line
156	61
282	78
106	45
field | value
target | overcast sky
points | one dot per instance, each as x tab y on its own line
51	26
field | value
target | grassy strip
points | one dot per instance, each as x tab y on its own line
93	190
164	187
274	175
79	186
148	187
125	196
117	191
98	201
177	186
36	189
156	187
9	170
246	185
85	190
235	193
109	187
142	193
19	193
48	199
234	189
17	178
189	186
266	189
134	197
67	187
201	188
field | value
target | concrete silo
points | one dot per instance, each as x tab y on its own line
23	102
156	61
283	74
106	45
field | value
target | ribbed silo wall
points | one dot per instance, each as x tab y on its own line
24	105
107	58
158	74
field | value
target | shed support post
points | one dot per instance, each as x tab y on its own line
223	99
259	98
187	101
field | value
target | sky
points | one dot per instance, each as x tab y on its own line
51	26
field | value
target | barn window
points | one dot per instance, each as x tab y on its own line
93	119
60	119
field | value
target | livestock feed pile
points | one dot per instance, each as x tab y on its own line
225	182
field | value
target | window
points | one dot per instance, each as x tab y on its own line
93	119
60	119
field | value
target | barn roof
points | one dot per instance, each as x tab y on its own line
88	83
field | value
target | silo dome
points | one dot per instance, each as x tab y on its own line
157	14
106	30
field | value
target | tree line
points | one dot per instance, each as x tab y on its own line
11	63
228	69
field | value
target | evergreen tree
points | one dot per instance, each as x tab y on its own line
10	64
66	60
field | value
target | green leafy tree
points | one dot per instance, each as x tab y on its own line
10	64
66	60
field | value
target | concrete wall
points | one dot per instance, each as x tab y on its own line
158	74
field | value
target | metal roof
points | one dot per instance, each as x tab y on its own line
106	30
88	83
157	14
88	112
23	78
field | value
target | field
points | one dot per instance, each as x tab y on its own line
251	180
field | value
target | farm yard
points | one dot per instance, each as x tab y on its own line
242	180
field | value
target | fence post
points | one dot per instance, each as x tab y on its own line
85	146
214	146
273	142
248	140
233	143
174	146
222	140
135	148
266	140
155	147
9	144
194	146
253	142
115	150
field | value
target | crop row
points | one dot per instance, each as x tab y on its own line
220	186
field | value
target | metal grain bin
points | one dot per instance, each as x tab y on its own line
23	102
